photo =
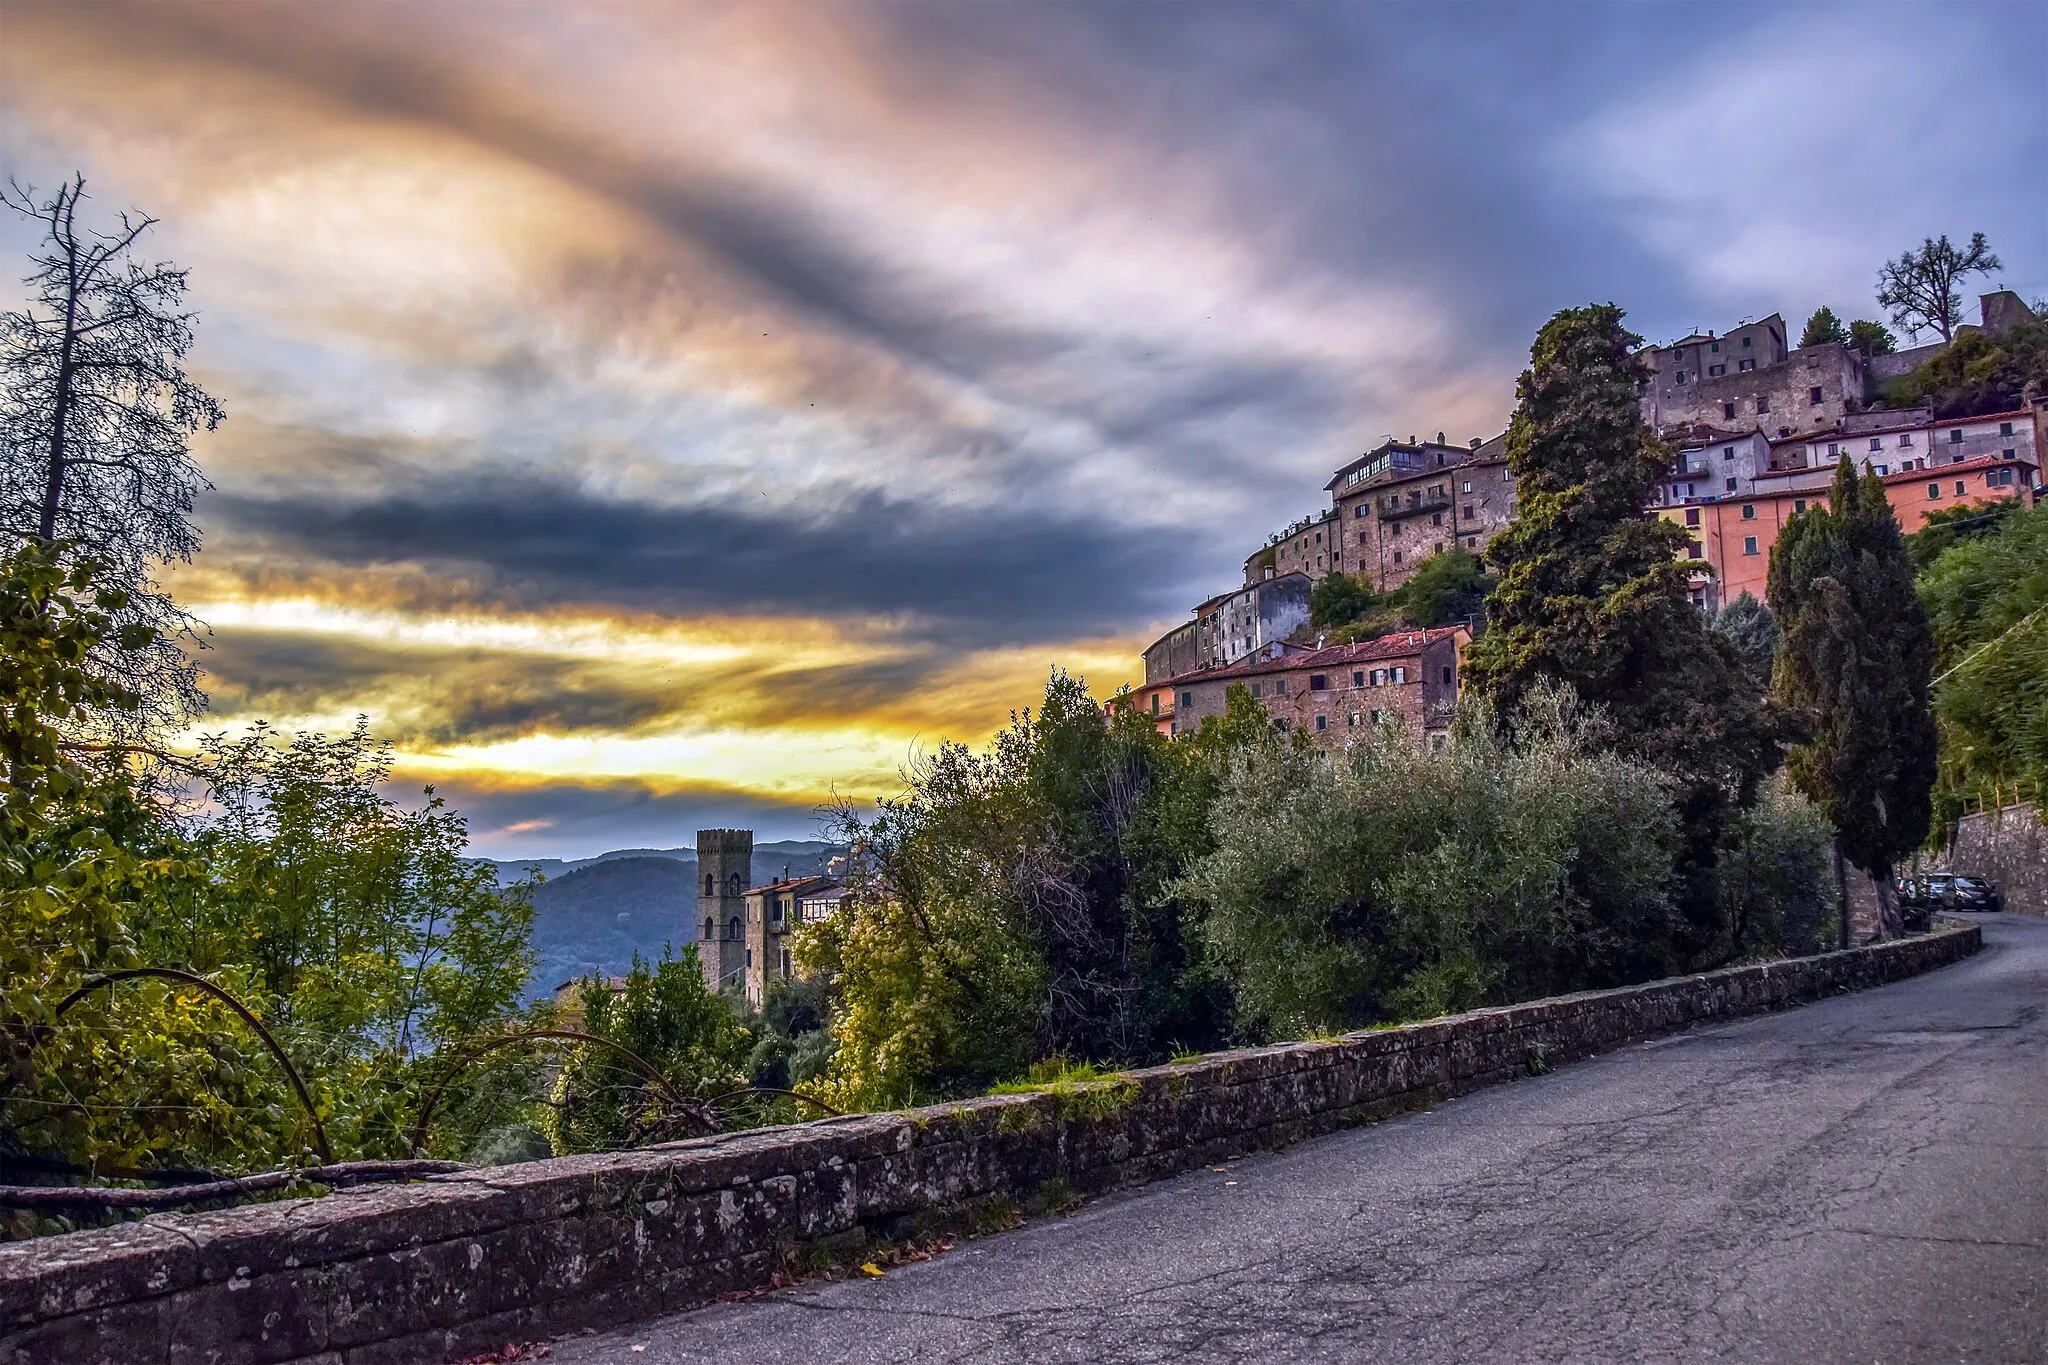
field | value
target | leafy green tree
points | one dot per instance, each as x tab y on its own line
1016	904
96	418
1822	328
1942	531
1920	286
1871	338
1857	660
1977	373
1593	597
1777	883
1748	625
1340	599
665	1015
1987	604
1449	588
1392	881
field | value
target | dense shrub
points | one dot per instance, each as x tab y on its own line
1391	881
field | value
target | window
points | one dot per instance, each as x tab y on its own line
2008	454
1877	443
1379	677
1279	687
1799	504
1358	678
1155	703
1692	516
1280	724
1397	553
1959	488
733	885
1255	691
1813	398
1955	437
1882	469
1934	492
1447	675
1998	478
1188	698
1692	551
1354	720
1378	716
1436	744
1727	453
710	885
1318	682
1746	365
710	928
1749	545
1507	476
1715	348
1731	486
1466	487
1763	404
1679	378
1834	448
1400	675
1322	723
1360	510
1470	515
785	962
2005	428
1716	371
750	959
1906	441
1749	511
1727	412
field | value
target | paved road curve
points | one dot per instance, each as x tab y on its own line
1862	1180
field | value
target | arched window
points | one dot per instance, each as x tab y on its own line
732	928
710	927
733	885
710	888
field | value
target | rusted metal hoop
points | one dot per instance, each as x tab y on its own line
190	979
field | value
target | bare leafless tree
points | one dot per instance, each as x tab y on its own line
96	419
1920	286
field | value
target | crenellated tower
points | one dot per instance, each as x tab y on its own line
725	869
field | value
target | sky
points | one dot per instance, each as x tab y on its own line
656	416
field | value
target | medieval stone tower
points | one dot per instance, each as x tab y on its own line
725	869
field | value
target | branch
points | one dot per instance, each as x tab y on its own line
340	1175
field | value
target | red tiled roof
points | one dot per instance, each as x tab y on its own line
812	883
1942	471
1400	644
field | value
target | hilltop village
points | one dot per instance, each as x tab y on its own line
1756	428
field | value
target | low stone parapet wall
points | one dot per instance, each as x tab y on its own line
467	1262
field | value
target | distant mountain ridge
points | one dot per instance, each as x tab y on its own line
592	915
803	855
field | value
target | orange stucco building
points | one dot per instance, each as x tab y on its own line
1732	537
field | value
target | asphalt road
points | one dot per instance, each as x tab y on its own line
1862	1180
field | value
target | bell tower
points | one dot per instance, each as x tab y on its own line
725	869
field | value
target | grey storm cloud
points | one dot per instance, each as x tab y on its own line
976	576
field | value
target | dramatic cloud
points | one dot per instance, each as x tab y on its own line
642	407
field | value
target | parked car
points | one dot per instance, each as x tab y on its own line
1946	891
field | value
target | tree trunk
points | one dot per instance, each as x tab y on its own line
1890	923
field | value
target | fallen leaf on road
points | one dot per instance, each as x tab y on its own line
871	1270
639	1348
1228	1184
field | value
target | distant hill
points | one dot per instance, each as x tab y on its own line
592	915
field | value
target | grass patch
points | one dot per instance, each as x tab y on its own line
1083	1090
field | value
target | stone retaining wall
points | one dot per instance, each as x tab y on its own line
2008	848
463	1263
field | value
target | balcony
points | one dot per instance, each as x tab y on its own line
1415	509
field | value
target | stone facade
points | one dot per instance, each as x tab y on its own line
1231	628
774	913
467	1262
2009	848
1811	389
1393	526
1730	368
1333	695
725	869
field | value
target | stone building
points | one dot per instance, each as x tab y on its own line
1231	627
1748	381
1392	524
725	869
1311	547
773	913
1331	694
1711	462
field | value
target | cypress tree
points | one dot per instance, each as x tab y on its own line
1592	594
1857	657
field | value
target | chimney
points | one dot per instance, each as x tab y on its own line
1476	443
1439	438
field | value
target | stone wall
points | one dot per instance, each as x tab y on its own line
2009	849
468	1262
